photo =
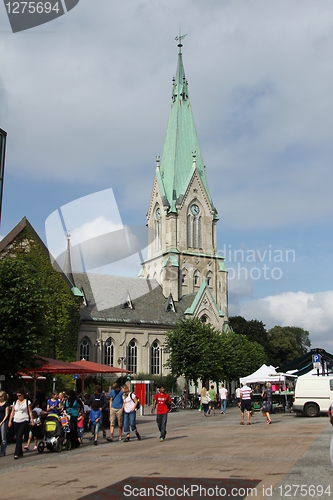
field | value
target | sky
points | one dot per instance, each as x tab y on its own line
85	102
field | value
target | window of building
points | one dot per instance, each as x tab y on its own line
109	352
132	356
203	318
84	349
155	358
196	278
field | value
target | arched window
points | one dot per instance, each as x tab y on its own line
132	356
158	229
195	234
209	279
189	232
109	352
200	232
84	349
196	278
203	318
155	358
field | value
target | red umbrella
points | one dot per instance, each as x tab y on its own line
84	367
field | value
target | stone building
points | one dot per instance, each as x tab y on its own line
124	319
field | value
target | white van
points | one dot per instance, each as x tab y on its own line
313	395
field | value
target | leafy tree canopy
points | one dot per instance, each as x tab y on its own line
287	343
254	330
38	312
194	350
240	356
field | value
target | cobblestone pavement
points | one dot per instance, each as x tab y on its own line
291	451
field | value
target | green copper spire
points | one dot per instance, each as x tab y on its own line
181	152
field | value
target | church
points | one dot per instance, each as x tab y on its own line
182	276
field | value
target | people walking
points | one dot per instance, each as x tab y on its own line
267	401
130	402
4	417
116	410
95	420
223	399
245	396
101	399
205	399
237	396
213	400
72	409
163	402
19	418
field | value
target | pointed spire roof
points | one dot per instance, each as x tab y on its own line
68	265
181	143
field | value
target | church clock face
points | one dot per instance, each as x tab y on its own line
194	209
158	213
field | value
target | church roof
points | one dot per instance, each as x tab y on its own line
181	152
103	294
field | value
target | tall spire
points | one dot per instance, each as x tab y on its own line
176	166
68	266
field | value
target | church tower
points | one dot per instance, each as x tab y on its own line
182	219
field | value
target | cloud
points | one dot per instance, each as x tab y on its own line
311	311
89	102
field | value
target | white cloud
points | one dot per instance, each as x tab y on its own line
311	311
93	228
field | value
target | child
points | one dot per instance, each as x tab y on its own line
53	403
80	425
34	430
95	419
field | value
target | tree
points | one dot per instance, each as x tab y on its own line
254	330
21	314
38	311
240	356
194	350
287	343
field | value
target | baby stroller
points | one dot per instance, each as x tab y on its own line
55	432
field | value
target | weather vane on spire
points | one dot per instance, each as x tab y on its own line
179	39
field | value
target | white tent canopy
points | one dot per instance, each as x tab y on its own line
263	374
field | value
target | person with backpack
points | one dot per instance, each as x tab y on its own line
130	403
163	402
101	399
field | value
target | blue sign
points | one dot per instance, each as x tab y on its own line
76	376
315	358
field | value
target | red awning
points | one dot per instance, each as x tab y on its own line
48	365
84	366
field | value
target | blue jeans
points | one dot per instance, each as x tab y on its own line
3	433
161	420
129	421
223	405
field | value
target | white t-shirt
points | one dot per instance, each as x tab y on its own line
129	402
21	413
238	393
223	393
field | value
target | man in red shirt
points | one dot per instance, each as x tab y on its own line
163	402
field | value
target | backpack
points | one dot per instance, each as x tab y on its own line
138	404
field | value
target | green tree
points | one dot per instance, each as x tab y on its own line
240	357
287	343
194	350
254	329
21	314
55	325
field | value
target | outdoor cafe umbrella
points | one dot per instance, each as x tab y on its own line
86	368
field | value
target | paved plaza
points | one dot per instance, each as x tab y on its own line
291	451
